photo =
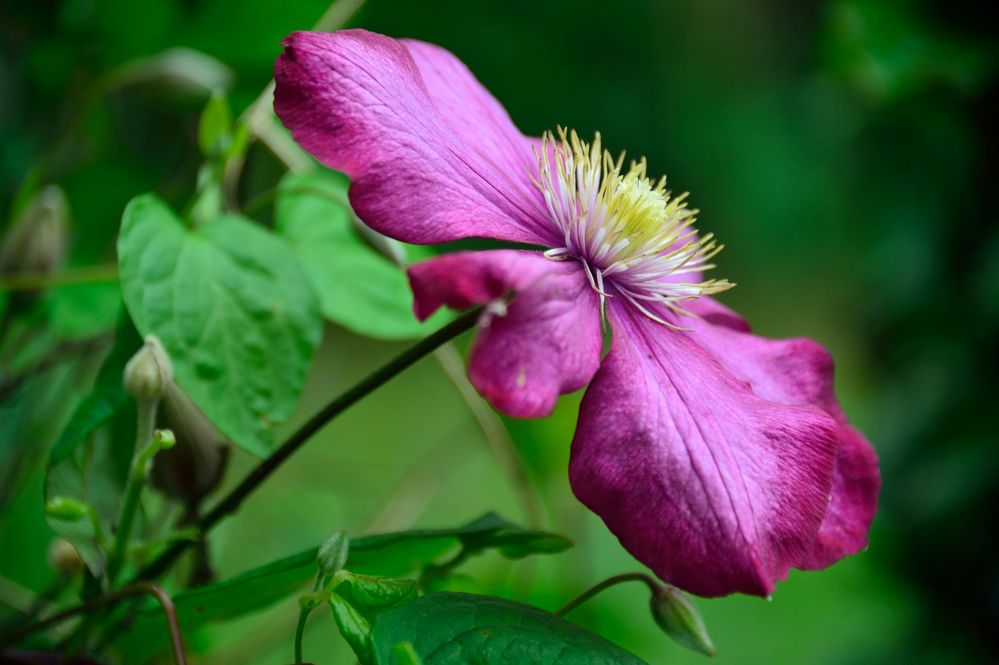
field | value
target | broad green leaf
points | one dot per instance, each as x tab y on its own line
233	308
390	554
459	628
354	628
358	287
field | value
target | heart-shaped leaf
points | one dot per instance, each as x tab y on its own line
233	308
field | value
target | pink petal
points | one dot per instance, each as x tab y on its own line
546	343
800	371
715	488
431	155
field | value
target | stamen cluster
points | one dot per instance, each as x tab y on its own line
631	236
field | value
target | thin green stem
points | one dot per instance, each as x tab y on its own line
145	448
606	584
303	617
39	281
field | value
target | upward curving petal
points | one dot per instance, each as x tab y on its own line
800	371
540	338
714	487
431	155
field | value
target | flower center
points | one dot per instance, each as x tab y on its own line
633	238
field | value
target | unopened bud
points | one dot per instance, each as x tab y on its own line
194	467
35	242
148	373
66	509
677	615
63	557
333	553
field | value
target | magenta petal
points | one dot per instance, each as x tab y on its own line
545	342
800	371
431	155
715	488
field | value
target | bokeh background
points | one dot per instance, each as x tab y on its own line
846	154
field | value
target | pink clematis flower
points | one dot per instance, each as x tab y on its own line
719	459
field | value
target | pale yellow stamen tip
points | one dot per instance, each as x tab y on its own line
631	235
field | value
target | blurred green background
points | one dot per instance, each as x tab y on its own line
846	154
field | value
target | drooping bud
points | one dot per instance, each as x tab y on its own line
35	243
64	558
333	553
194	467
148	373
677	615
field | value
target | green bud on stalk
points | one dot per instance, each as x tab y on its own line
332	555
35	243
677	615
148	373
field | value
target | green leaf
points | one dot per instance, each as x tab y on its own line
232	307
215	128
358	287
354	628
446	628
372	595
514	542
391	554
404	654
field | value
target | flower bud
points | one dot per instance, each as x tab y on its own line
35	242
194	467
63	557
677	615
333	553
148	373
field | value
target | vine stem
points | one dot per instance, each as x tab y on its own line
262	471
145	427
303	618
606	584
39	281
134	589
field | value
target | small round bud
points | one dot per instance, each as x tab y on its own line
63	557
66	509
333	553
677	615
148	373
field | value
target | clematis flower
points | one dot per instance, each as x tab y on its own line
720	459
